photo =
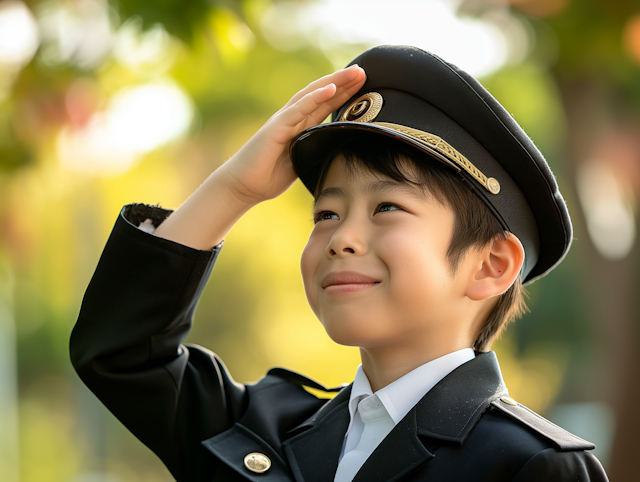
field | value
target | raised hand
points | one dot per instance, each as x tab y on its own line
261	169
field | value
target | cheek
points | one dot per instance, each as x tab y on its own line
417	264
309	262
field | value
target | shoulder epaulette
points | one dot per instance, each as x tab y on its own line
565	440
297	379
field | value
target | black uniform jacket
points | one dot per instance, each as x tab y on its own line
182	403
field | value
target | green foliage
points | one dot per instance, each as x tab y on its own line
589	35
14	156
13	153
182	19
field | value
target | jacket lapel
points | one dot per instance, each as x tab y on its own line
447	413
400	453
315	446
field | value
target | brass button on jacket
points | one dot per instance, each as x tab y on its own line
256	462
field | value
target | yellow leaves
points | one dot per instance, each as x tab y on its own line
231	36
535	377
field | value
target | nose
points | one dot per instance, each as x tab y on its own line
347	240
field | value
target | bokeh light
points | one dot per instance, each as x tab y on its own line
138	120
19	35
151	50
608	209
478	45
75	32
631	37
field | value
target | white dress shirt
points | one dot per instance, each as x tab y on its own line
147	226
383	410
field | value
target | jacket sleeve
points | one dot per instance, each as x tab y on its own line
573	466
126	346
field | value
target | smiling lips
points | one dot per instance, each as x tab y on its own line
347	281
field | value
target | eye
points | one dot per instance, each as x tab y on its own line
387	207
324	216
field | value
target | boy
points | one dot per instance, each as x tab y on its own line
431	207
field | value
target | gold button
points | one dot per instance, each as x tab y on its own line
509	401
493	185
258	463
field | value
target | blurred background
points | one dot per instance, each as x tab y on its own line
104	103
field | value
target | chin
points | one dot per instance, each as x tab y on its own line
344	339
348	331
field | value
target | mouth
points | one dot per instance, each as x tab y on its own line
347	282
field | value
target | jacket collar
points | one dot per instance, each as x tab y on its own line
314	449
447	413
452	408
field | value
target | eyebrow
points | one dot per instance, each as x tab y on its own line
390	185
377	186
328	193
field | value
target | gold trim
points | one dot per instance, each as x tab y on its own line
438	144
364	109
257	462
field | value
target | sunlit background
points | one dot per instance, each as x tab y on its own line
106	103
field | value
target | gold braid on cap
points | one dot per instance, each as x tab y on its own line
367	107
438	144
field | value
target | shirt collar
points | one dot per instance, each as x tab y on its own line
360	389
400	396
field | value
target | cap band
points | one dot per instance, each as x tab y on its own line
434	142
367	107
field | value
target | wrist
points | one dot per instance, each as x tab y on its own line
230	191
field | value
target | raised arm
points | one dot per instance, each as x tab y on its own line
126	345
261	169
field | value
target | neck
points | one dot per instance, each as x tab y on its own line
385	365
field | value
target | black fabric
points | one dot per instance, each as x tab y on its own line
182	403
565	440
552	465
301	380
422	91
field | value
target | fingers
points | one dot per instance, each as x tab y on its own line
318	104
305	106
340	78
340	97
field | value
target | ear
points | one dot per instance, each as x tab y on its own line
497	267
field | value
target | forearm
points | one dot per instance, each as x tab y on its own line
126	346
207	215
142	287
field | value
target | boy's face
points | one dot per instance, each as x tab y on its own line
375	268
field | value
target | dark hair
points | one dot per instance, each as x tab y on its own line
474	226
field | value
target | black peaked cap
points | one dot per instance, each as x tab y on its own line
418	98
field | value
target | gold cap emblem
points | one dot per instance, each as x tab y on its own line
364	109
493	185
509	401
258	463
